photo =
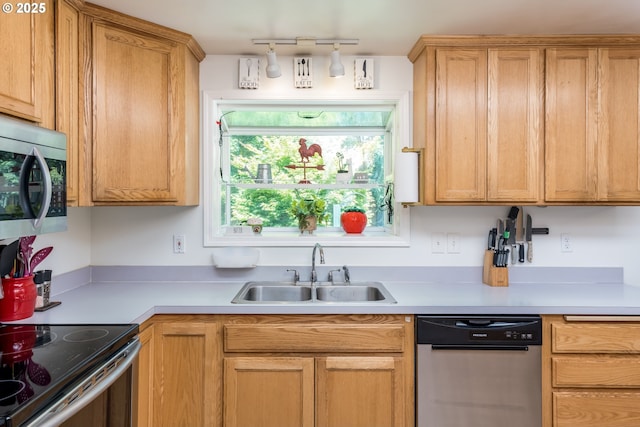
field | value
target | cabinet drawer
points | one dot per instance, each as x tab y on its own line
594	409
595	338
594	371
305	338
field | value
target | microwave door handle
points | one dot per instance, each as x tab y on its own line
44	167
25	201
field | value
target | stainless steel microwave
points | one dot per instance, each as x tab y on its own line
33	179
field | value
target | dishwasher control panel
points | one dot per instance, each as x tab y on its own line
481	330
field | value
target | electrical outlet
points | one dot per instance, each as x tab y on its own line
453	243
178	244
437	243
565	243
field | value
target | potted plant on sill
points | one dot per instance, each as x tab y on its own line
343	174
309	212
353	220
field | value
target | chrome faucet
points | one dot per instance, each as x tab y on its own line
347	275
314	275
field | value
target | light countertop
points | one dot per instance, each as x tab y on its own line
136	301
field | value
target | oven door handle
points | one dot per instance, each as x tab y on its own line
85	392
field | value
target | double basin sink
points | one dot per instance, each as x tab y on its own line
267	292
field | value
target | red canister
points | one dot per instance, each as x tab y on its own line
19	299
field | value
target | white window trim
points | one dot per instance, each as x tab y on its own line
209	135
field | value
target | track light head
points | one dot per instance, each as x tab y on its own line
273	68
336	69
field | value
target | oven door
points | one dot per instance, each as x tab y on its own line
105	398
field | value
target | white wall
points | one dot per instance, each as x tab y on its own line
601	236
72	248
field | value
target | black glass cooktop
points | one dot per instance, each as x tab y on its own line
38	362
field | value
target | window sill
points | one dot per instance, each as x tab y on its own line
326	238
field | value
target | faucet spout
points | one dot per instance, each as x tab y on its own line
314	275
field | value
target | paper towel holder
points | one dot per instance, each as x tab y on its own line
420	152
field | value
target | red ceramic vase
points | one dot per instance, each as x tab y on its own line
353	222
19	299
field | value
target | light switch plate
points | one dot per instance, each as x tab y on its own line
249	73
303	72
363	73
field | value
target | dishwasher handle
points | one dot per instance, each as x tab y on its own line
480	347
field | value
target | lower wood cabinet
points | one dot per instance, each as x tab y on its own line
591	371
269	391
277	370
144	379
321	371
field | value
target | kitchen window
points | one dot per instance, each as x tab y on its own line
260	156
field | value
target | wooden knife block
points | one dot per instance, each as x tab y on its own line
492	275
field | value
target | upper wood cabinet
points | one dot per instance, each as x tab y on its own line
529	119
67	55
593	130
478	112
571	124
140	112
27	65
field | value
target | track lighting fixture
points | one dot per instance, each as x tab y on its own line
336	69
273	68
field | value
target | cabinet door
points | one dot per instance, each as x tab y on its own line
365	391
515	113
461	125
185	374
571	125
67	81
26	49
134	138
269	392
144	414
619	125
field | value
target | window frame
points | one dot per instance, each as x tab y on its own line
211	188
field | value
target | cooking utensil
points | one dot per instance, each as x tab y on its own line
519	237
7	258
37	373
364	68
528	237
491	244
511	238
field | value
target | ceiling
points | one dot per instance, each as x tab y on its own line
383	27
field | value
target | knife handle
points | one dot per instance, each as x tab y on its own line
514	253
521	252
529	252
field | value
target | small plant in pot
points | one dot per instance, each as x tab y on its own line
353	220
309	212
343	174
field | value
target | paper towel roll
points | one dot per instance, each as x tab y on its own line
406	176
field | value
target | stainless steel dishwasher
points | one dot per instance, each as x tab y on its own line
478	371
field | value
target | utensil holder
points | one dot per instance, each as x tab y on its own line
19	299
492	275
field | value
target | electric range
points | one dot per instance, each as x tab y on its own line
40	363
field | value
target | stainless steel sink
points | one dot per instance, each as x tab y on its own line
353	293
274	292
